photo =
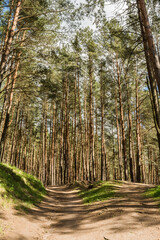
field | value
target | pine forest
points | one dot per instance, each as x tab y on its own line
79	91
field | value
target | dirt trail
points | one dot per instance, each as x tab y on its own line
62	216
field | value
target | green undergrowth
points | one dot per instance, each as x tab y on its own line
19	188
153	193
97	191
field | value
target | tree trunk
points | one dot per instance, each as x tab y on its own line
61	167
44	143
147	35
75	128
53	164
81	130
66	133
8	43
91	125
138	156
86	139
122	124
103	152
118	139
9	97
151	79
130	135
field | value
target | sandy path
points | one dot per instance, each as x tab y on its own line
62	216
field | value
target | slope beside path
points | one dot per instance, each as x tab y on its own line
63	216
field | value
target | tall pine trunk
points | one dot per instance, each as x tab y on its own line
118	138
138	144
125	172
130	135
103	150
53	159
152	55
91	125
9	40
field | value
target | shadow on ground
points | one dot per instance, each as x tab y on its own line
66	213
18	237
2	216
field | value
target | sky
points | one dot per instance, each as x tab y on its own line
110	8
111	11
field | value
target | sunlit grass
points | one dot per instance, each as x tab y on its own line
98	191
19	188
153	192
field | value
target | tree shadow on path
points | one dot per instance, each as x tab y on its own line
66	214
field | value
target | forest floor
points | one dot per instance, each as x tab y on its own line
63	216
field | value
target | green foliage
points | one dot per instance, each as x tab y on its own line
22	188
98	191
153	192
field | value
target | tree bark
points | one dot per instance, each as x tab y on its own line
122	124
118	138
86	138
130	135
8	42
80	128
53	163
75	127
91	125
138	156
66	132
151	78
103	151
153	57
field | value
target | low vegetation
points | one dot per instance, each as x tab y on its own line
153	192
18	188
98	191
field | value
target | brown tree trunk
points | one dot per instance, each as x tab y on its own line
138	156
75	128
103	152
81	130
8	27
151	78
9	40
86	138
147	35
91	125
53	163
122	125
61	165
44	143
14	136
5	118
130	135
96	146
118	139
66	132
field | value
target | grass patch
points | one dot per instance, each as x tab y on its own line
153	193
20	188
97	191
